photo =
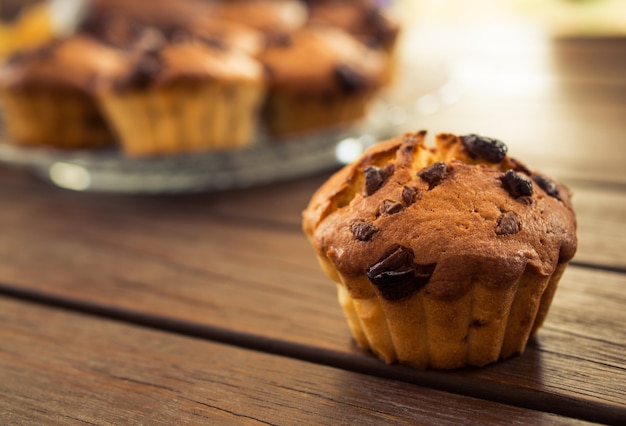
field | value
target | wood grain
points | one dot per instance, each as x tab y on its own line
59	367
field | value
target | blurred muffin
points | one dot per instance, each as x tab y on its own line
365	20
46	94
230	33
182	94
129	30
319	77
160	14
444	257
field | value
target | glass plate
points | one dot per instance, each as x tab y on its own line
264	162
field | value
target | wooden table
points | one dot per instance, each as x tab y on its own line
211	308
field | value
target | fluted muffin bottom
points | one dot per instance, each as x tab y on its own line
483	326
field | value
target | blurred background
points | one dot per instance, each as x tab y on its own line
486	66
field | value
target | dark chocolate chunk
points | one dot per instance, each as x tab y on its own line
408	148
389	207
362	230
281	40
409	195
144	72
375	177
508	223
175	34
516	184
396	275
434	174
350	80
548	186
489	149
214	42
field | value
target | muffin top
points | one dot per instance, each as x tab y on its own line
72	62
157	58
362	18
408	216
322	59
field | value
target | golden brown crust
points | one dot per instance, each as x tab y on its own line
362	18
189	60
341	63
465	221
73	62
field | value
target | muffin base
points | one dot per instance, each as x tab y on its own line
184	117
289	114
54	117
481	327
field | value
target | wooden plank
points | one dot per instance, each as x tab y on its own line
58	367
601	213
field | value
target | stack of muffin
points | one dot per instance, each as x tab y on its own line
194	75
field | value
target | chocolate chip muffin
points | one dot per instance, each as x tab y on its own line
181	93
364	19
47	93
319	77
445	256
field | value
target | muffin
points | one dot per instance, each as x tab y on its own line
319	77
46	94
364	19
182	94
445	256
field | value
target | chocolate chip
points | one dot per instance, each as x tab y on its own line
396	275
434	174
389	207
409	195
214	42
350	80
362	230
516	184
508	223
144	72
281	40
548	186
375	177
489	149
174	34
408	148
